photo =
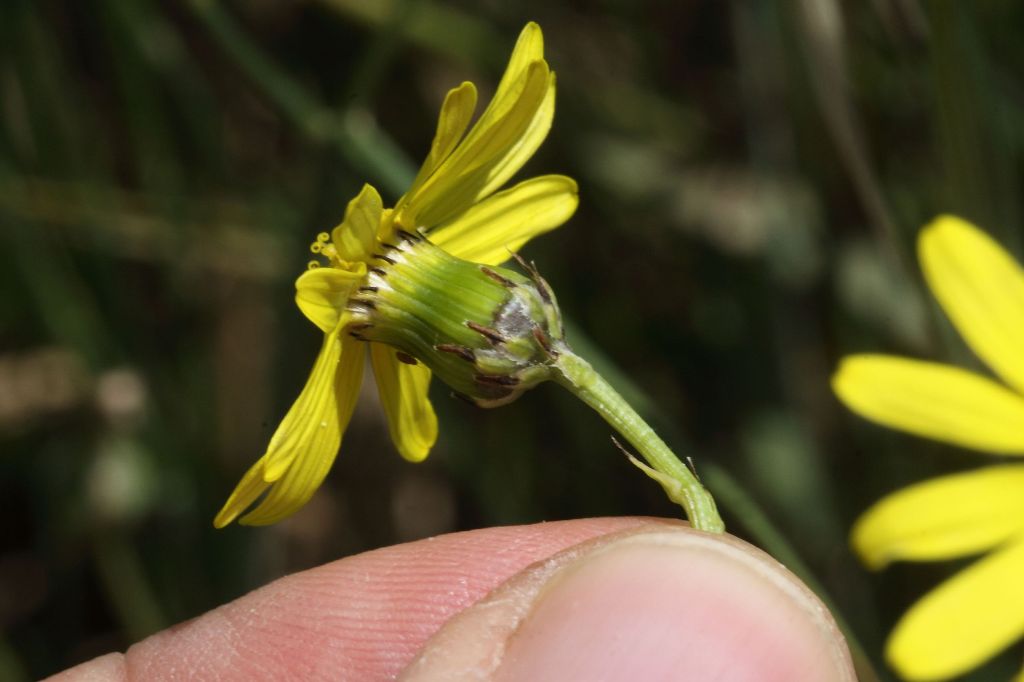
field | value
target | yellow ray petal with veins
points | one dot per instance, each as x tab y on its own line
499	225
943	518
981	288
354	239
933	400
321	294
403	393
306	442
456	113
963	622
513	125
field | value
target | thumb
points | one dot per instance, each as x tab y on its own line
655	603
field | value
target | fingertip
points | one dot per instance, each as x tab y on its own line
362	617
106	668
649	603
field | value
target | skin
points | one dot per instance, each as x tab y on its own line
610	599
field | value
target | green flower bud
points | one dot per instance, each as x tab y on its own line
490	333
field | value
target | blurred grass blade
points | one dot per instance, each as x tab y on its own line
354	134
440	28
127	587
820	24
975	129
11	668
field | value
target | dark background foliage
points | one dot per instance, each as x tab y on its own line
753	175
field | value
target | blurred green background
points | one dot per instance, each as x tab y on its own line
752	174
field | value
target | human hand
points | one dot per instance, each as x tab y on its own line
593	599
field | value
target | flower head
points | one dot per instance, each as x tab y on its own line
454	203
980	611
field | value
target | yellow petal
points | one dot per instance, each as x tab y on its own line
505	166
964	622
981	288
526	55
245	493
933	400
502	223
509	131
313	402
456	113
529	48
403	393
478	164
322	294
305	444
354	238
944	518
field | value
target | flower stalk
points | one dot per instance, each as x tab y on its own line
679	482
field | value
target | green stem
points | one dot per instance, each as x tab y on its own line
681	485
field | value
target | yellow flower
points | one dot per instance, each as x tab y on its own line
452	201
980	611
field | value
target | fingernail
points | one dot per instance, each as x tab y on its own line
662	603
